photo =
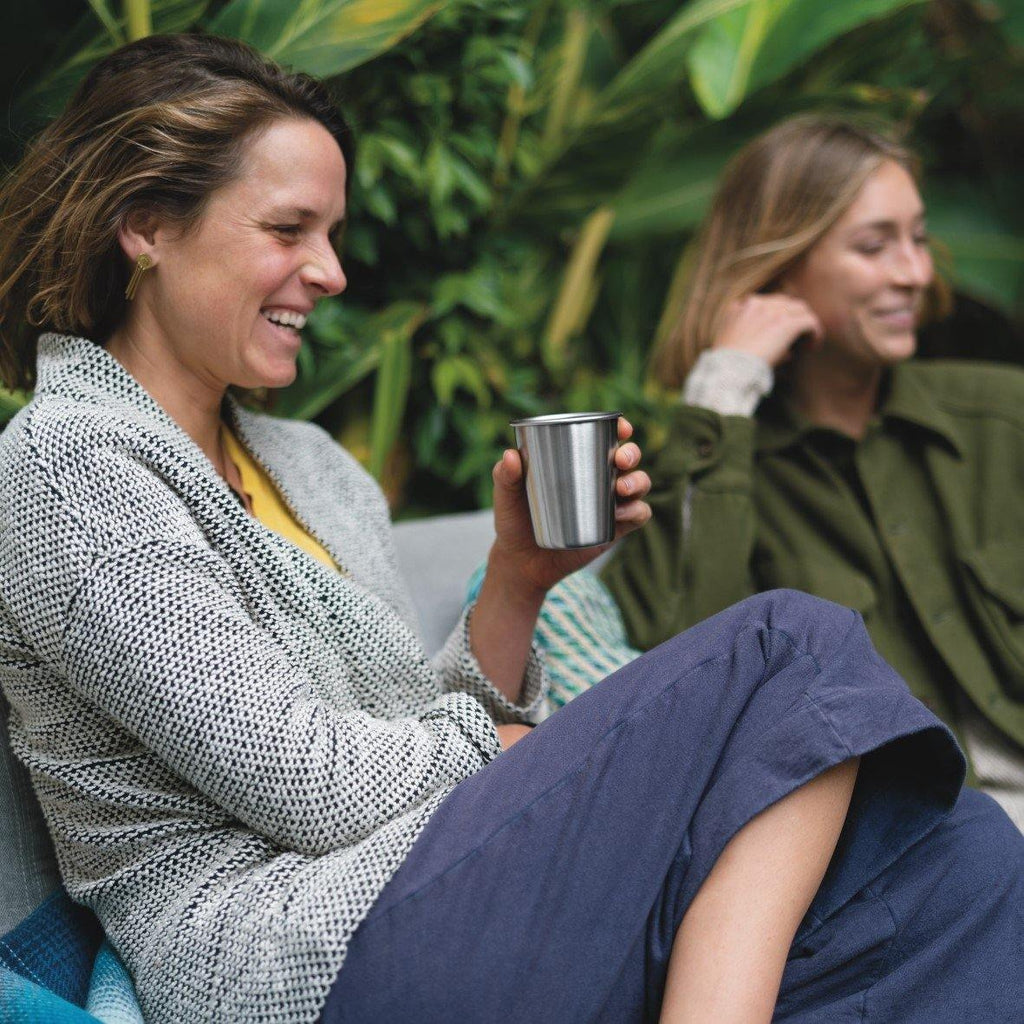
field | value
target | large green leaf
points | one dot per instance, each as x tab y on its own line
669	195
109	20
347	350
87	44
1011	21
722	60
661	64
987	256
11	402
394	376
323	37
624	117
759	41
670	188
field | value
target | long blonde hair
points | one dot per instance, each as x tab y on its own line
776	199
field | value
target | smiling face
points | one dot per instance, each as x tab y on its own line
866	278
225	302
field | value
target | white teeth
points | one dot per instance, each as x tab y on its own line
286	317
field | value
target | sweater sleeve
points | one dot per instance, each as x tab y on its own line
728	382
460	671
214	697
694	557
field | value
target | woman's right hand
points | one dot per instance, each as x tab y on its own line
511	733
768	326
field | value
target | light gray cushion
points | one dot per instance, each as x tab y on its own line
437	556
28	868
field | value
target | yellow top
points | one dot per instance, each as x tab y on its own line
267	504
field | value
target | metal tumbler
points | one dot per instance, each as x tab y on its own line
569	459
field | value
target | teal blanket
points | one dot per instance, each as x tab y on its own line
56	966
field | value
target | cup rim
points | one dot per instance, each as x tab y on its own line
554	419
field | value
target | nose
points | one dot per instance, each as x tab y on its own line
913	267
323	271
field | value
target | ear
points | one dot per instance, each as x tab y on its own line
788	283
139	233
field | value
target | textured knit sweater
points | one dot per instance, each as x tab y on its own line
234	746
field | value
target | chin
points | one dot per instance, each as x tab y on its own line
891	349
269	377
901	349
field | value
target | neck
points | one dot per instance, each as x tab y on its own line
192	402
830	392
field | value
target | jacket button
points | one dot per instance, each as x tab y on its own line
942	616
705	449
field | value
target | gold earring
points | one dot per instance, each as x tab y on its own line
142	263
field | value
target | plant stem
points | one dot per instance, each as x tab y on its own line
139	17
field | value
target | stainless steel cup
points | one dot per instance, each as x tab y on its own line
569	460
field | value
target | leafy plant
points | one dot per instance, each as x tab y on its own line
531	172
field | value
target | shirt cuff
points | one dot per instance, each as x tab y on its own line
461	672
728	382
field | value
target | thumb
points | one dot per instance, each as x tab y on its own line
508	472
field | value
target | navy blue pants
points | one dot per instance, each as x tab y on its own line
549	886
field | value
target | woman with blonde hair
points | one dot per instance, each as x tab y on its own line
809	451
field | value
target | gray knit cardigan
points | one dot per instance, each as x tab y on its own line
233	745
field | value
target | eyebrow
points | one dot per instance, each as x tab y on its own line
887	224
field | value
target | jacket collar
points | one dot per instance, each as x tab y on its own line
76	368
907	403
80	369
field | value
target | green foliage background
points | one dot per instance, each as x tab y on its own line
530	173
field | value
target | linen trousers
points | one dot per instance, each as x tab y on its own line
549	886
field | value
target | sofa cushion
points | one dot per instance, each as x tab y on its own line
437	556
28	867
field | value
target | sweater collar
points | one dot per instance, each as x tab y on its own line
80	369
76	368
907	405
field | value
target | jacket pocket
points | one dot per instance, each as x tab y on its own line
994	575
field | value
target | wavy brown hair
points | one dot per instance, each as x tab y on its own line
777	197
157	127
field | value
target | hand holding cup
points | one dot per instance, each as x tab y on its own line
516	549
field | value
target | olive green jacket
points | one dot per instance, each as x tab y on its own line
919	526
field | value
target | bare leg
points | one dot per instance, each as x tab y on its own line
731	949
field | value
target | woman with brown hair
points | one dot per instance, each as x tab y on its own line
279	808
808	450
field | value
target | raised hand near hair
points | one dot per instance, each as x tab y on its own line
768	326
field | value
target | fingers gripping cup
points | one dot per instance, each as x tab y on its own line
569	460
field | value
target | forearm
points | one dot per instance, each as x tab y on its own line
501	629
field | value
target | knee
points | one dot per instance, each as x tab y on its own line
796	612
812	623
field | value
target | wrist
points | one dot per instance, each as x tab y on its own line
506	581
